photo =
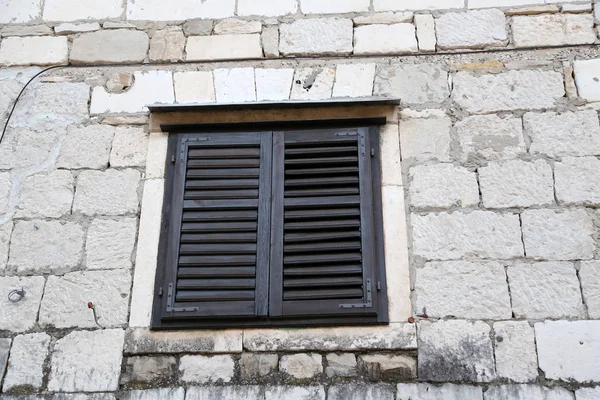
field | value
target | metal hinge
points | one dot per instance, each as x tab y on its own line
173	159
346	134
170	300
372	152
369	302
160	291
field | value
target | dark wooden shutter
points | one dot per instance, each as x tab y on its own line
323	260
217	259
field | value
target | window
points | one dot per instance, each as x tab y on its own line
272	228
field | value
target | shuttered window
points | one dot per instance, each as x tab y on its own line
272	229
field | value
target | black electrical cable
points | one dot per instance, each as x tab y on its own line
345	57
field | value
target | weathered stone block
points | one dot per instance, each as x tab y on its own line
273	83
52	106
234	26
463	289
295	393
385	39
388	367
578	181
442	186
4	350
530	392
358	391
587	77
26	363
223	47
93	197
129	147
333	6
20	316
198	27
553	30
235	85
393	5
224	392
301	366
589	274
5	233
414	84
72	10
87	361
471	29
569	350
35	50
354	80
254	366
588	393
455	351
425	139
5	188
167	45
144	341
489	137
47	195
324	36
110	46
516	183
266	8
567	134
154	394
69	28
513	90
384	18
270	41
202	369
194	87
20	11
179	10
110	243
313	83
514	349
86	147
46	246
341	365
479	234
558	235
147	369
426	391
425	25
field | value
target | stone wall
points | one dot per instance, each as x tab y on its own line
492	163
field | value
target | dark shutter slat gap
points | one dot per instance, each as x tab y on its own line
321	161
223	164
323	270
216	260
216	284
220	204
219	238
333	224
235	153
321	171
223	173
222	184
212	271
219	226
230	248
198	216
212	295
319	282
329	293
327	246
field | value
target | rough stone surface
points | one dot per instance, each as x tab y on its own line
119	82
354	80
72	10
442	185
129	147
578	181
333	6
324	36
35	50
385	39
388	367
5	233
301	366
266	8
414	84
110	243
587	77
479	234
455	351
194	87
384	18
86	147
529	392
472	29
295	393
341	365
572	241
313	83
235	85
234	26
5	188
270	41
516	184
514	349
92	198
143	341
513	90
149	370
202	369
26	363
4	349
425	25
273	83
19	11
425	391
167	45
44	246
588	393
87	361
68	28
223	47
20	316
590	283
47	195
415	144
490	137
254	366
463	289
154	394
381	5
198	27
569	350
566	134
224	392
394	337
110	46
179	10
360	392
553	30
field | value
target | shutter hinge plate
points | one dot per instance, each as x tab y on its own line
369	302
170	300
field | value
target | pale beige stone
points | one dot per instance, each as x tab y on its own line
266	8
472	29
587	76
93	198
110	46
20	11
400	5
325	36
5	188
86	147
333	6
385	39
553	30
47	195
5	233
178	10
514	345
235	26
223	47
313	83
235	85
273	83
384	18
20	30
109	243
20	316
129	147
442	186
143	341
69	28
425	25
202	369
301	366
425	138
354	80
26	362
167	45
72	10
35	50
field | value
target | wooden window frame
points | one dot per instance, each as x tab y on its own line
378	314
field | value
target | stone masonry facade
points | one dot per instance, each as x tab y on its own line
491	180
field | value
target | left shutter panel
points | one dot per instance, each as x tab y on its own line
217	257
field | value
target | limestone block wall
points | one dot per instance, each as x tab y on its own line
491	163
